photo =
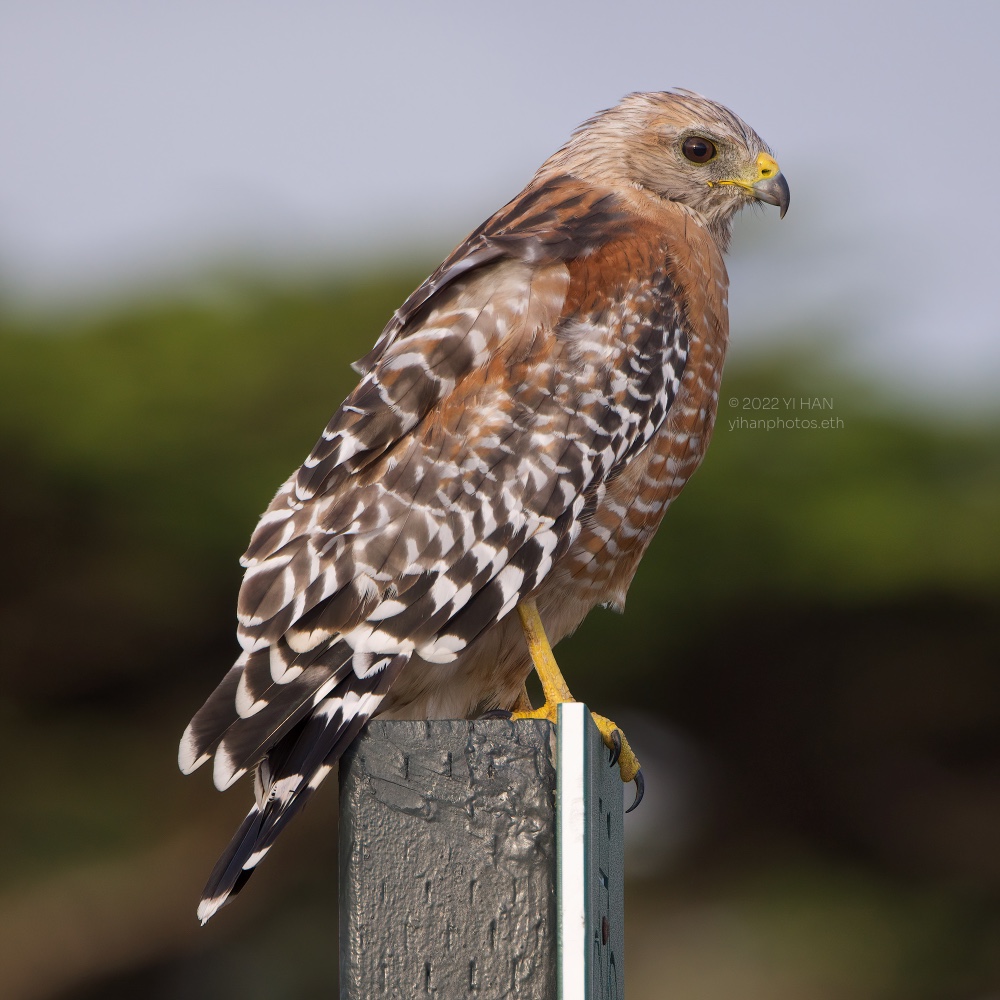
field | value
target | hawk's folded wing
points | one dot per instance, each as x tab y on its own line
495	407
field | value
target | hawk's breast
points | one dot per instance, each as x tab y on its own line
671	314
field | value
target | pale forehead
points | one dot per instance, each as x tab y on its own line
684	109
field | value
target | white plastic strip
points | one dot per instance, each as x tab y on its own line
572	779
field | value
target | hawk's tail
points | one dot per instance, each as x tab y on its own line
292	770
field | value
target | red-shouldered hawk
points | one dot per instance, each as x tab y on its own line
519	429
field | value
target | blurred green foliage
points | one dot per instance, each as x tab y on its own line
144	443
818	613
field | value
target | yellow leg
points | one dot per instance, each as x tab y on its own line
554	685
557	691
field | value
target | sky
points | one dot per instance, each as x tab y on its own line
141	141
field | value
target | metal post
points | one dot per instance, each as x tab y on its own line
448	861
591	872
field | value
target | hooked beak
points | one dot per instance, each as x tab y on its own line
771	186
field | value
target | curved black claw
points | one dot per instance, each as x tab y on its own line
640	789
498	713
616	750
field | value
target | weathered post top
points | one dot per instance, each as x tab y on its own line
481	858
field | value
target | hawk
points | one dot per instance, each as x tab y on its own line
518	431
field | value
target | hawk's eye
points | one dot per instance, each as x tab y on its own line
698	150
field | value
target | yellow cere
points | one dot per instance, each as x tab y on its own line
766	165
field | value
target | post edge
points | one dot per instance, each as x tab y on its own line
572	863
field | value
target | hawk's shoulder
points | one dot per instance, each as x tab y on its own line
554	219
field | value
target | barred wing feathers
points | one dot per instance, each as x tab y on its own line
494	409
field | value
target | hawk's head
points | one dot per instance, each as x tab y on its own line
679	146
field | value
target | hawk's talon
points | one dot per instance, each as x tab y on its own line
617	742
640	789
616	750
498	713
